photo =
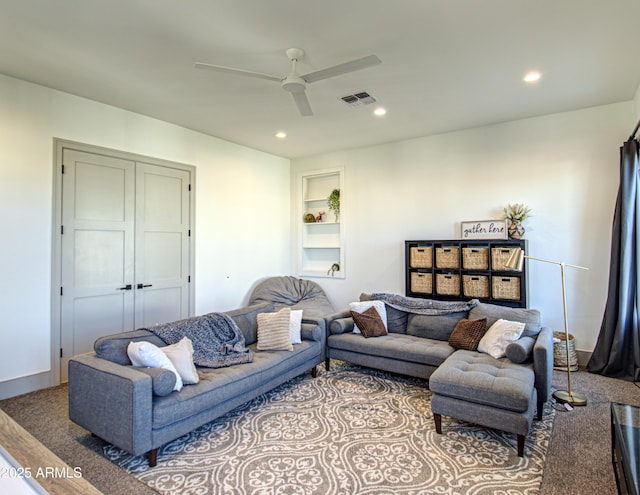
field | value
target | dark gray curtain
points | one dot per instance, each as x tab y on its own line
617	352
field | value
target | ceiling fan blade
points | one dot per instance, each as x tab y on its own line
239	72
303	103
336	70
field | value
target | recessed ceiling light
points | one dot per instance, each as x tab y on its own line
281	135
379	112
531	77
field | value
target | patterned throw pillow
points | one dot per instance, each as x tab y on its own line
468	333
369	322
273	331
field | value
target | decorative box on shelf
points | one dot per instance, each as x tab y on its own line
465	269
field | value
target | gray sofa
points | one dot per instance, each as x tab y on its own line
466	385
116	401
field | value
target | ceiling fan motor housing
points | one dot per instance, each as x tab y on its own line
293	83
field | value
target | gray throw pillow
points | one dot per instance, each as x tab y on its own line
494	312
520	350
438	327
162	381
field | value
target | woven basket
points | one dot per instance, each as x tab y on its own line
560	352
507	288
475	258
448	284
475	285
422	282
448	257
499	257
420	257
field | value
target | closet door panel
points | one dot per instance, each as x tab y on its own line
162	244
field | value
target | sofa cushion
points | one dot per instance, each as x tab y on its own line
369	322
114	347
437	327
218	385
247	319
479	378
394	346
520	350
493	312
467	334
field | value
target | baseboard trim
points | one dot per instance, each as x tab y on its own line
583	357
24	384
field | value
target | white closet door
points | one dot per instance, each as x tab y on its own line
162	244
97	250
125	248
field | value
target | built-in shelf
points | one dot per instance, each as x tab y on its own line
321	244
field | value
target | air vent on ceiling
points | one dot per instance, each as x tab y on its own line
357	99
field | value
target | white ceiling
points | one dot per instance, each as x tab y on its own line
446	64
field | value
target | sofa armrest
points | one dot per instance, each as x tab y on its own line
543	363
342	325
112	401
313	330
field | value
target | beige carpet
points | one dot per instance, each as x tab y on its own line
350	431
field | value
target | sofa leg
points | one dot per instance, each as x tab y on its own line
314	372
438	419
153	457
327	362
540	410
521	445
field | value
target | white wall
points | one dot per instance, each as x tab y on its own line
564	166
242	209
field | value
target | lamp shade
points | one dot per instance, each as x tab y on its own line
516	260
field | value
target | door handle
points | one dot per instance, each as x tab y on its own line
141	286
126	287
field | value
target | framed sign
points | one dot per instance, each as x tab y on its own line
484	229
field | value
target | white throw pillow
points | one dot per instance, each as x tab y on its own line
273	331
362	306
295	326
499	336
145	354
181	356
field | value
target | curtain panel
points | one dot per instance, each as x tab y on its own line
617	351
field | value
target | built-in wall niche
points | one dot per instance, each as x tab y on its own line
321	245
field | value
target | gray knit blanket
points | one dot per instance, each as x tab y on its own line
423	306
217	340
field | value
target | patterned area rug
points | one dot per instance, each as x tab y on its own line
349	431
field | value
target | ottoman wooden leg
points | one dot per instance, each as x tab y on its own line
438	420
326	363
540	409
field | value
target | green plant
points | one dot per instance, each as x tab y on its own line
334	268
334	201
518	211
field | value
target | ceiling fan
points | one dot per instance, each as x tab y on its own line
296	83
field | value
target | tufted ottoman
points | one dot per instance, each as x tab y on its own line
477	388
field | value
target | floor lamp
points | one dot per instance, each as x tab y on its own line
515	262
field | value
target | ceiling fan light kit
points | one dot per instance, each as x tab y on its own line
295	83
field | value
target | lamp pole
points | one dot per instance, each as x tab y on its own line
563	396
